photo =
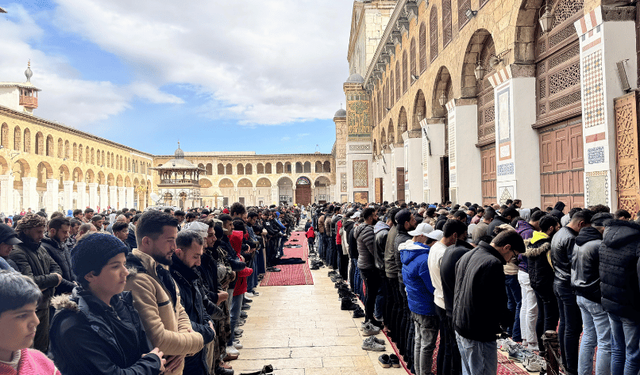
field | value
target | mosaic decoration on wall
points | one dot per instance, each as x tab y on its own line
359	147
595	155
507	193
358	124
343	182
360	174
361	197
506	169
593	90
504	128
597	188
452	141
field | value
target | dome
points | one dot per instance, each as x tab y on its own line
340	113
179	154
355	78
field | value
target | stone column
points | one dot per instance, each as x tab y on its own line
122	198
113	196
412	165
93	195
433	149
607	38
517	147
68	196
51	196
294	194
6	197
81	187
104	196
397	157
275	195
130	201
464	156
29	193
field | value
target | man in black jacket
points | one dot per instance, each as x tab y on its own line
55	244
35	262
480	301
189	248
570	326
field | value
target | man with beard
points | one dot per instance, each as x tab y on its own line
54	243
155	295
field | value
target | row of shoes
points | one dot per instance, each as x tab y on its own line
518	353
273	269
387	361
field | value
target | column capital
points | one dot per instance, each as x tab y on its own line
93	184
6	177
67	183
511	71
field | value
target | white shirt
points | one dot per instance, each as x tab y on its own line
434	261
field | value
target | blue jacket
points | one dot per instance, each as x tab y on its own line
417	280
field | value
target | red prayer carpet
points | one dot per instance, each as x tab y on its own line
292	274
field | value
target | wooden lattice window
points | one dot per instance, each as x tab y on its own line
447	32
433	33
398	77
486	105
463	6
422	41
412	57
405	72
391	91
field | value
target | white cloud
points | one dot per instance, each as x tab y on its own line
260	62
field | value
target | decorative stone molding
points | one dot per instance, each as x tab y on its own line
412	10
403	24
396	37
618	13
511	71
359	147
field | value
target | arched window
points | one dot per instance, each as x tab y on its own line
267	168
287	167
398	79
327	166
4	136
433	33
17	138
385	89
60	148
405	72
40	144
260	168
27	140
248	169
447	33
412	58
463	6
318	167
298	167
279	168
209	169
229	169
391	91
240	168
220	169
307	167
422	41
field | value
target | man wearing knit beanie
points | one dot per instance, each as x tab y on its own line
155	295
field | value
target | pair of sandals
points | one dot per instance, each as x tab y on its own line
387	361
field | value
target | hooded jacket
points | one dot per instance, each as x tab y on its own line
61	255
619	265
557	210
561	254
448	272
417	280
381	231
90	337
164	319
351	243
480	299
540	271
390	266
366	247
401	237
241	278
585	264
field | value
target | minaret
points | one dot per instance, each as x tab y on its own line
22	97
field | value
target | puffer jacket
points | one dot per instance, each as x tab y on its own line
619	254
417	280
381	231
366	247
540	271
62	256
401	237
585	264
524	229
90	337
480	298
390	266
561	254
164	319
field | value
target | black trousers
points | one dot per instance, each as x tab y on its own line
449	361
372	282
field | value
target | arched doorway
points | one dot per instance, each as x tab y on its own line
226	188
263	191
322	190
303	191
285	190
245	191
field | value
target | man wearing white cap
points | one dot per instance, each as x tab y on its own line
414	254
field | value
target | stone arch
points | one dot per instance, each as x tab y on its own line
326	167
442	86
27	140
307	167
4	166
268	168
248	168
89	176
200	165
229	169
433	33
279	168
402	124
298	167
87	155
102	180
40	149
127	182
205	183
285	190
419	110
20	170
318	166
260	168
422	46
322	181
263	182
111	180
4	135
245	182
209	169
220	168
17	138
77	175
225	183
240	169
119	181
383	139
63	174
45	172
390	133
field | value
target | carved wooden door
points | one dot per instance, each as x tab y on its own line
626	119
379	190
488	156
400	184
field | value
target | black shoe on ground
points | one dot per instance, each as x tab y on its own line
247	300
223	371
246	306
358	313
244	315
348	304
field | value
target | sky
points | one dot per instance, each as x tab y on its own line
263	76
